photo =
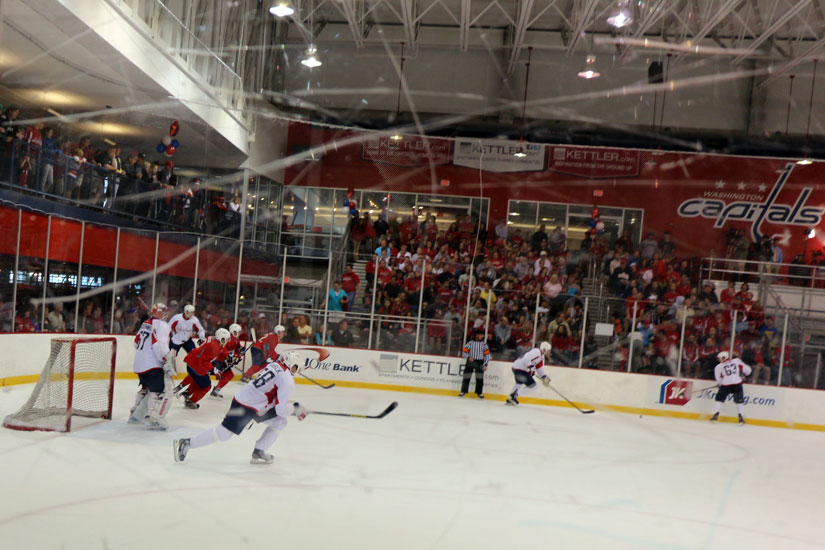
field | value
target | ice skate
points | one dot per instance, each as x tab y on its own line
715	417
216	393
741	419
156	424
180	448
481	396
188	403
462	394
260	457
512	399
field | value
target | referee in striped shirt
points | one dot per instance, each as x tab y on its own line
477	355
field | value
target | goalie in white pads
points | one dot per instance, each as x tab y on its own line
153	370
527	366
728	374
264	399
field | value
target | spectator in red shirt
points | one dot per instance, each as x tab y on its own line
728	294
350	283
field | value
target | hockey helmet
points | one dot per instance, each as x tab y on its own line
188	310
292	359
279	330
222	336
235	330
723	356
545	346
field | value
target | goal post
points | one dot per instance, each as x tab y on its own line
77	380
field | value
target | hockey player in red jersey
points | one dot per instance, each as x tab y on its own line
264	350
199	366
264	399
234	355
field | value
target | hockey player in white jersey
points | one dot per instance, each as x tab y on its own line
527	366
728	374
183	326
264	399
153	370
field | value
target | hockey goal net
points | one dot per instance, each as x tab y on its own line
78	380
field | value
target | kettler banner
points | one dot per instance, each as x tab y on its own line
595	163
406	151
499	155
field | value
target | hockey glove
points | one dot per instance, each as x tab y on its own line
545	381
299	411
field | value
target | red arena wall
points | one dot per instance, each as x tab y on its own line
696	196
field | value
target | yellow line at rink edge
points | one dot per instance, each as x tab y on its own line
31	378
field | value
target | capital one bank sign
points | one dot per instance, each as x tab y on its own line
745	208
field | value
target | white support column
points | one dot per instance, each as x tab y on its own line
197	267
629	340
155	268
782	351
238	283
16	268
114	284
283	281
421	303
80	273
681	343
584	330
46	275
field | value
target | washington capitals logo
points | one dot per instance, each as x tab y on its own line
757	212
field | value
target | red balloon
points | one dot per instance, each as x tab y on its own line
350	192
174	129
170	150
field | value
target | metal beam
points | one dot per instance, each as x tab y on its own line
581	17
778	24
717	18
464	35
806	55
408	13
349	10
522	21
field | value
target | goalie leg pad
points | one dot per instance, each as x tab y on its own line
138	412
158	407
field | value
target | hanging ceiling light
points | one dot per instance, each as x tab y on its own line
281	9
621	17
311	60
589	71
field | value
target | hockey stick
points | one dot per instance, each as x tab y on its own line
705	389
387	411
317	383
588	411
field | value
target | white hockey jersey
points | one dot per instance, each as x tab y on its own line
270	388
531	362
182	328
151	345
729	372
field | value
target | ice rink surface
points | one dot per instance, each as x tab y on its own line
437	473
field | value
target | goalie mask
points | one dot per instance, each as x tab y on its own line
235	330
159	310
222	336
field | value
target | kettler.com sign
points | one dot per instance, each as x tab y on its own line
595	163
406	151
